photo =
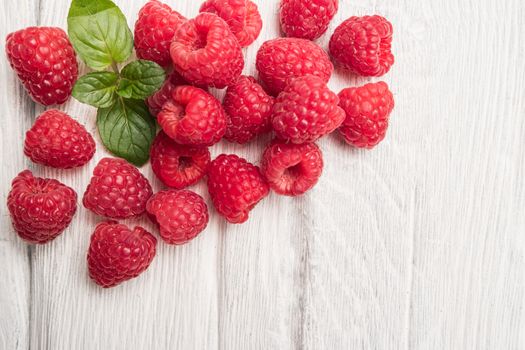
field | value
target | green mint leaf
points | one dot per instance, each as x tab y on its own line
127	129
96	89
140	79
99	32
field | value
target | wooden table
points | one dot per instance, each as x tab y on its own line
418	244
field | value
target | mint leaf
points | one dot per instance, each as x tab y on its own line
140	79
99	32
127	129
96	89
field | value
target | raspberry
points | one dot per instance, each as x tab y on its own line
367	110
180	215
362	44
157	100
117	190
154	30
193	117
40	208
278	60
307	19
306	110
117	254
248	108
206	53
292	169
44	61
58	141
242	16
177	165
235	187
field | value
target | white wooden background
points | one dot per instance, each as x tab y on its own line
418	244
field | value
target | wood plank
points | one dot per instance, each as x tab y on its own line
172	305
469	280
14	254
260	265
358	223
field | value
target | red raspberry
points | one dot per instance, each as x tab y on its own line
279	60
307	19
241	15
58	141
248	108
180	215
206	53
362	44
367	110
117	254
177	165
154	30
193	117
292	169
45	62
235	187
117	190
158	99
40	208
306	110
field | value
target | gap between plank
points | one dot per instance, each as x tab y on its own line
220	280
304	277
30	248
411	256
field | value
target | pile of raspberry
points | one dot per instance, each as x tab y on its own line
289	99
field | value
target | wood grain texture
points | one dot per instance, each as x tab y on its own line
418	244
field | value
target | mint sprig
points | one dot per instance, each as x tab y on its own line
101	37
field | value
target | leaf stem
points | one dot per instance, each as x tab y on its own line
114	66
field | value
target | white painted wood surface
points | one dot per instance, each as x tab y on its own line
418	244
